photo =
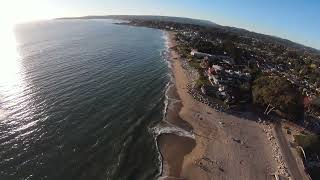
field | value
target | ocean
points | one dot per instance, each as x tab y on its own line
80	100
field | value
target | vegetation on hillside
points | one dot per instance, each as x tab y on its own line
276	93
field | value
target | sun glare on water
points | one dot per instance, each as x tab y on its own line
12	81
9	57
11	13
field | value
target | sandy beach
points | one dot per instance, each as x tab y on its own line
224	146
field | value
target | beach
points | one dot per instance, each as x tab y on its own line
211	144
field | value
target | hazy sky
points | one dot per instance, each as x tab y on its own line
297	20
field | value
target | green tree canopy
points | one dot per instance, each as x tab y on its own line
276	93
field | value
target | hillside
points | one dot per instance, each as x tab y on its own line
182	20
207	24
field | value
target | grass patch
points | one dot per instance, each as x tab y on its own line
195	65
202	81
310	143
183	50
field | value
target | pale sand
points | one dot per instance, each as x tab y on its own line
216	152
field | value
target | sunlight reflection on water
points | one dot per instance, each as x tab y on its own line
10	77
10	80
12	84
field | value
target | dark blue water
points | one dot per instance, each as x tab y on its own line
80	101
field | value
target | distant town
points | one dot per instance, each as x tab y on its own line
230	61
239	70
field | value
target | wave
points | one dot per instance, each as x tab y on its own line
158	130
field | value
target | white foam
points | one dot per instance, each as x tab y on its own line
165	52
165	37
169	128
166	101
158	130
155	131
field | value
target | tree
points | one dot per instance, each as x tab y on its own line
232	50
276	93
204	46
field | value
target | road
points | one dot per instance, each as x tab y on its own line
287	154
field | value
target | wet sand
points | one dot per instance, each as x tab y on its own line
224	146
174	147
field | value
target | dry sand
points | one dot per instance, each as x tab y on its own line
225	146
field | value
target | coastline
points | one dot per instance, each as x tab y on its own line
174	135
204	143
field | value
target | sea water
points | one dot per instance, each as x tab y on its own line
80	101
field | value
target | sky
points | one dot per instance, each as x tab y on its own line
296	20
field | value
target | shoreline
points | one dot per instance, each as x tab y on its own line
204	143
174	135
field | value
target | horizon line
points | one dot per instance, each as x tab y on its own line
246	29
